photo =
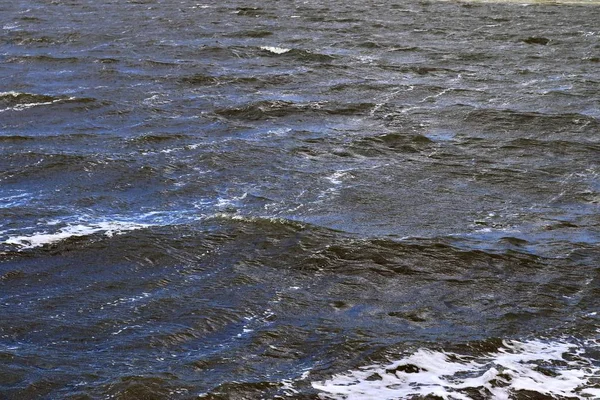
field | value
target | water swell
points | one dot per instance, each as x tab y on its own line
18	101
277	109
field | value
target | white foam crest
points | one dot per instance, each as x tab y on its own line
230	202
275	50
10	93
10	27
336	180
515	366
25	106
38	239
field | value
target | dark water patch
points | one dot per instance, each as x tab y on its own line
159	63
26	38
12	275
50	143
18	102
11	99
194	327
255	33
107	60
537	40
394	142
251	11
15	138
528	146
225	53
277	109
511	120
250	81
151	387
361	85
423	70
242	390
79	175
200	80
369	45
159	138
375	145
43	59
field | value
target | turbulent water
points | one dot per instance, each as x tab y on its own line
299	199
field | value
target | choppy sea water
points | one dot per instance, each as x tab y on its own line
299	199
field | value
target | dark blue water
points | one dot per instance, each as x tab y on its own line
299	199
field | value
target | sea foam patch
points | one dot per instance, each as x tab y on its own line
38	239
551	368
275	50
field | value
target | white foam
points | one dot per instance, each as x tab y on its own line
515	366
10	27
275	50
335	178
25	106
231	202
38	239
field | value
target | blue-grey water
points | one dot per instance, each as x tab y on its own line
299	199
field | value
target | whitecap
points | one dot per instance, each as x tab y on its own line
41	100
38	239
551	368
336	180
225	203
10	27
275	50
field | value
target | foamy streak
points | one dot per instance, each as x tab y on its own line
25	106
514	367
109	228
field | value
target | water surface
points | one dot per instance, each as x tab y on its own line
299	199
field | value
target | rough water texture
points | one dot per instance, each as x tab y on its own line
299	199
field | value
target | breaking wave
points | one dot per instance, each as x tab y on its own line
550	368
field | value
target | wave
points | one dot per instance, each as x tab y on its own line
275	50
15	138
395	142
266	222
374	145
550	146
180	220
29	38
18	101
269	109
201	79
42	59
38	239
297	54
523	121
536	367
253	33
